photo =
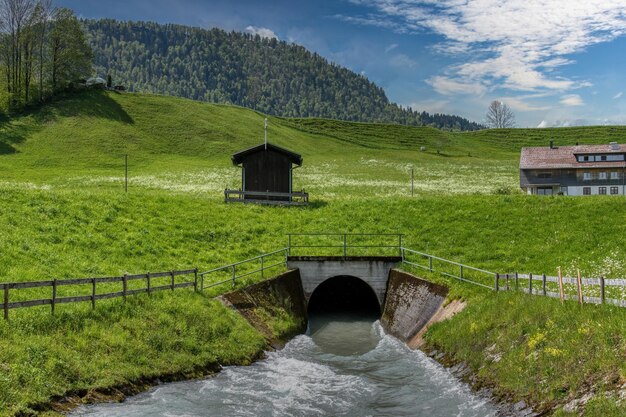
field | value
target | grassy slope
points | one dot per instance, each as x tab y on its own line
64	215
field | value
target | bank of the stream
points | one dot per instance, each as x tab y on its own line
563	360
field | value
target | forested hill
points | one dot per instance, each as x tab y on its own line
267	75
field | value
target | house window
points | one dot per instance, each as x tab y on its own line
603	158
614	190
615	175
587	176
545	191
602	176
586	190
602	191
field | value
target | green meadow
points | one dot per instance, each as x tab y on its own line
65	215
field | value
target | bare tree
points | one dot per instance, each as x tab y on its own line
43	14
500	116
15	16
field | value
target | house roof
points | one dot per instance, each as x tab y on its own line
241	155
565	157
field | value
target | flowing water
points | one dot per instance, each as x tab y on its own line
344	366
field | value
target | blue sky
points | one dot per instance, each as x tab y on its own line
554	62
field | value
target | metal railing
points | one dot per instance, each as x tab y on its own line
232	269
345	243
479	278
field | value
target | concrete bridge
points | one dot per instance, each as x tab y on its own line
371	270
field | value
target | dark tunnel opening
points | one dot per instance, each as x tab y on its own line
342	314
344	295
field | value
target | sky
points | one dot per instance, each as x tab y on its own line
553	62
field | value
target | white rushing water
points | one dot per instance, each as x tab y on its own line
343	367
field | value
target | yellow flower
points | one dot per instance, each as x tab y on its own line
473	327
536	340
553	351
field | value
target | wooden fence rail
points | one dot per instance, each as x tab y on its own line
54	284
515	282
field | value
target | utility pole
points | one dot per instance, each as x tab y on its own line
266	133
126	173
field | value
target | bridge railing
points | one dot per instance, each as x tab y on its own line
451	269
344	244
229	274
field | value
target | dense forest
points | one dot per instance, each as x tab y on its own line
267	75
43	50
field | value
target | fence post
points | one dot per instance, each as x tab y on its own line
6	301
289	245
262	266
172	274
54	295
497	282
125	285
461	272
544	280
195	279
345	246
516	281
579	281
400	246
507	281
234	275
93	293
530	284
149	283
430	263
602	293
561	289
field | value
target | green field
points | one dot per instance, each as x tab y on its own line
65	215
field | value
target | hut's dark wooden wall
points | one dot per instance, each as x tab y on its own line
267	170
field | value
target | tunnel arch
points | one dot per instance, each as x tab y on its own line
344	294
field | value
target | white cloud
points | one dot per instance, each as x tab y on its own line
521	104
618	95
572	100
402	61
391	47
542	124
514	44
449	86
262	32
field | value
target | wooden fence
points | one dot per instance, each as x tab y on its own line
585	290
236	271
92	284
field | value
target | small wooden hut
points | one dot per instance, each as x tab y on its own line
267	176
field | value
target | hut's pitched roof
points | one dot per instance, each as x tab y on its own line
241	155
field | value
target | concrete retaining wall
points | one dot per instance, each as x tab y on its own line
410	304
275	307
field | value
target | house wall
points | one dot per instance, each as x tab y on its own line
572	181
